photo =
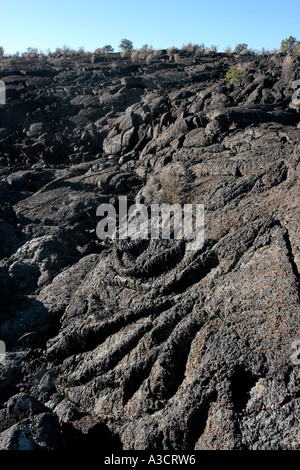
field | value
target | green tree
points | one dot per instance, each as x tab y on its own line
239	48
1	52
104	50
126	45
108	49
288	44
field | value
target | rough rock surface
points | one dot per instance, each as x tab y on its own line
140	344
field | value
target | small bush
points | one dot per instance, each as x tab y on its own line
200	48
211	50
172	187
190	48
264	51
142	54
154	55
234	73
172	50
135	56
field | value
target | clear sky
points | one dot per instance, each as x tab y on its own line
161	23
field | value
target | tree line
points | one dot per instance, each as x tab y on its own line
289	45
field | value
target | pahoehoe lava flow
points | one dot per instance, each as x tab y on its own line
142	344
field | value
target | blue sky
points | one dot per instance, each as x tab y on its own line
160	23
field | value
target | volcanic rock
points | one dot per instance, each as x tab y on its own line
140	342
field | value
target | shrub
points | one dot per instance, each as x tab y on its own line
64	51
189	47
171	184
211	50
172	50
200	48
264	51
146	48
32	52
240	48
234	73
142	54
135	56
154	55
